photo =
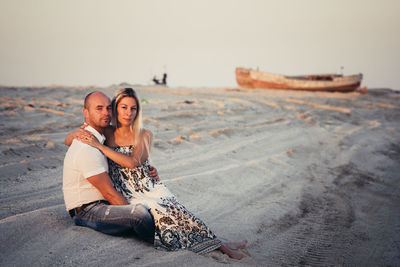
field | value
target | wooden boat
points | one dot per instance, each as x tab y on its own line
247	78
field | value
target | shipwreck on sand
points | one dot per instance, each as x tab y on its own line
248	78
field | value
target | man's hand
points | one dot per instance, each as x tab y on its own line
153	173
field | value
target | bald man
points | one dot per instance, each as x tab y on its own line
89	195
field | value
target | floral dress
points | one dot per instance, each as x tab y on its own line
175	227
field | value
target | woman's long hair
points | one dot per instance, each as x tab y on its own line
136	125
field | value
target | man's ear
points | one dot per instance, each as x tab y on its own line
86	114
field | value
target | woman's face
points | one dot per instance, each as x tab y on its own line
127	109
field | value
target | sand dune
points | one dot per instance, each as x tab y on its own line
309	179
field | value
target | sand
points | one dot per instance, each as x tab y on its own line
307	178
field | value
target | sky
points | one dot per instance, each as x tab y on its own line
197	43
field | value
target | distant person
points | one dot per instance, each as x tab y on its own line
164	79
155	80
162	82
128	150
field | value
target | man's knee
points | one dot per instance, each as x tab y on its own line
142	212
144	226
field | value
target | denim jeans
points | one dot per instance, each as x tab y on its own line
117	219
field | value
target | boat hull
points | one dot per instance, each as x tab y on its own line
243	78
247	78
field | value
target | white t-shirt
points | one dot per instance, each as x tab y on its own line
82	161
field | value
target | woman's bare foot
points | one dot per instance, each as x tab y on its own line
232	253
236	245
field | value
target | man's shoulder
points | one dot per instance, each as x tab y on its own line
80	149
85	158
87	149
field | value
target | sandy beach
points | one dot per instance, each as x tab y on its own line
309	179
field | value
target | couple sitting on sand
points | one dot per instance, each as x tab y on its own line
125	194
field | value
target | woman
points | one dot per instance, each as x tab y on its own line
128	149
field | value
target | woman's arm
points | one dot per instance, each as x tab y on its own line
81	134
138	155
74	135
69	138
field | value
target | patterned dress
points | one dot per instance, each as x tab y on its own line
176	228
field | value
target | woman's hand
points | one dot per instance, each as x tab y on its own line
153	173
73	135
87	137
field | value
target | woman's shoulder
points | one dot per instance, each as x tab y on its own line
146	133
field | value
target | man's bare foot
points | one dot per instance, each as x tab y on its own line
236	245
232	253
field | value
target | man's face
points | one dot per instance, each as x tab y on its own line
98	113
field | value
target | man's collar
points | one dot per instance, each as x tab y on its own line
98	135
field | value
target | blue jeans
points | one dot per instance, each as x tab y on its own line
117	219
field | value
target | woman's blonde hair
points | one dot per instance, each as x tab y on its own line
136	125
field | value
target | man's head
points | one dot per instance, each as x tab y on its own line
97	110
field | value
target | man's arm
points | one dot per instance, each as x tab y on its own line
103	183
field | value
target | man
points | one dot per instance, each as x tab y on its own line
89	195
